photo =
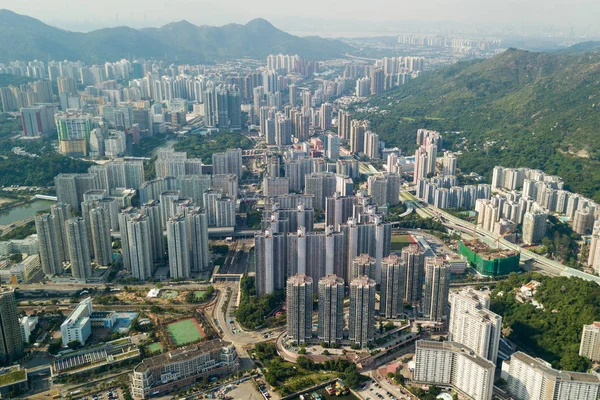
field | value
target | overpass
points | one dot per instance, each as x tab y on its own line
45	197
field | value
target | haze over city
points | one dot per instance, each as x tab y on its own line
326	17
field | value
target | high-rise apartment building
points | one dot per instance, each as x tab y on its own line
534	226
299	291
270	253
50	254
393	284
344	122
362	311
321	185
435	292
414	259
364	265
79	250
136	242
590	341
101	239
11	343
229	162
473	325
198	227
385	189
178	247
331	309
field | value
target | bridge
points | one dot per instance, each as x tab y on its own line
45	197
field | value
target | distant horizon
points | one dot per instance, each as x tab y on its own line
328	28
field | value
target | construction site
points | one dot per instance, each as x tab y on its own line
488	261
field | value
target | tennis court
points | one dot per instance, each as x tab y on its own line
185	331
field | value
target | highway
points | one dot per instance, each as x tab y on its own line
549	266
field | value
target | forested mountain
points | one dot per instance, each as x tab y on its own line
518	109
26	38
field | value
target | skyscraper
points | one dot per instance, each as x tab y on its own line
50	258
61	213
344	122
437	286
79	250
362	311
229	162
414	259
198	227
136	242
331	309
325	115
151	210
393	284
299	290
590	341
321	185
101	239
11	343
534	226
270	259
473	325
178	247
364	265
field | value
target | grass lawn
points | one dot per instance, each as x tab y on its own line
155	348
185	331
198	294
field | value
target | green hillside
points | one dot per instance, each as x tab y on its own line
518	109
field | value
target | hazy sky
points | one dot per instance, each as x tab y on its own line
85	15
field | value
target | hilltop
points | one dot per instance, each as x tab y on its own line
518	109
26	38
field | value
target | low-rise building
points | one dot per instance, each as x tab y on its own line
182	367
12	380
77	326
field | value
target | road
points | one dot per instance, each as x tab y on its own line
241	338
549	266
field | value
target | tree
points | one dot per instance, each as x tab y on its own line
390	375
16	258
302	350
74	344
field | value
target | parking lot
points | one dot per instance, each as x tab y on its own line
373	391
110	394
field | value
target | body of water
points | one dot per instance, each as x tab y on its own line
23	211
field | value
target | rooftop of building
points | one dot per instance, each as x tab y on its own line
457	348
13	375
101	314
486	252
182	354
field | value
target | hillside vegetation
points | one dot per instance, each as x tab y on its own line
518	109
552	333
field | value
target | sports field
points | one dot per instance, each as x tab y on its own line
402	241
185	331
169	294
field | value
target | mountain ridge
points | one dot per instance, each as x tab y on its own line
26	38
